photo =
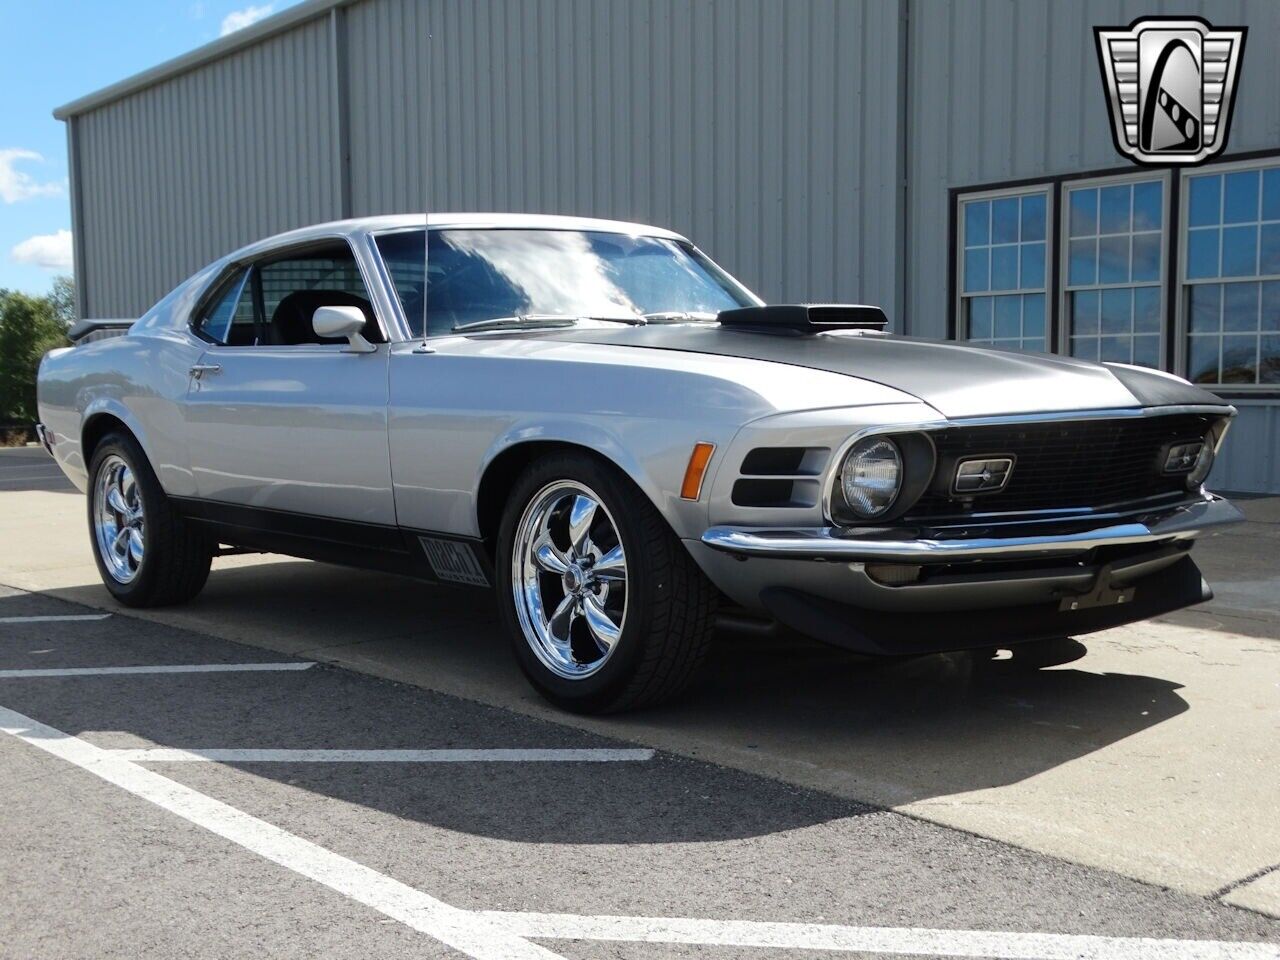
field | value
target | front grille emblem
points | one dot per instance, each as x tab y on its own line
982	475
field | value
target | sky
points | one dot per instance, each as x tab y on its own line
56	51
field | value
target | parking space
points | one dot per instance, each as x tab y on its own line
586	845
385	724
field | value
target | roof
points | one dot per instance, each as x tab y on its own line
216	50
507	221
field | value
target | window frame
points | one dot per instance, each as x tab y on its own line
258	258
959	320
1062	346
1183	284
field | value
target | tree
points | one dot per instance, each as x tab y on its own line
29	327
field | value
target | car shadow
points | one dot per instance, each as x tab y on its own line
895	732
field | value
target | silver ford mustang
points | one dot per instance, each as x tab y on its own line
598	421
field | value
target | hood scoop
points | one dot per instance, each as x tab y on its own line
805	318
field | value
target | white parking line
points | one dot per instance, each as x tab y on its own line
908	941
498	935
174	668
495	755
78	616
461	929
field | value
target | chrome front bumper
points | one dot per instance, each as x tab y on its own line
1183	522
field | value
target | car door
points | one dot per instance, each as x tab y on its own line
279	420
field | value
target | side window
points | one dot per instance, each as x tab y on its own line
229	318
291	288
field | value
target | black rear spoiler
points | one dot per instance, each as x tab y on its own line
86	331
805	317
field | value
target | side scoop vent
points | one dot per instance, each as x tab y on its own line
805	318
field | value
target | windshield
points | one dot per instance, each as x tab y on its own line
478	275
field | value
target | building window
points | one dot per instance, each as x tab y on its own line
1004	269
1113	241
1231	276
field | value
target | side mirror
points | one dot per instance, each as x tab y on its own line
346	322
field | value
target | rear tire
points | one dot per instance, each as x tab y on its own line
148	555
618	619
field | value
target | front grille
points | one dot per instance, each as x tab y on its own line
1080	463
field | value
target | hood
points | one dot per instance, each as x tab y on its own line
956	379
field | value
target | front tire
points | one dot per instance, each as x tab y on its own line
147	554
605	608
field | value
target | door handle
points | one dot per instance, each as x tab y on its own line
200	369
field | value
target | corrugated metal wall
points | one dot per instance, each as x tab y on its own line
1003	90
179	173
766	131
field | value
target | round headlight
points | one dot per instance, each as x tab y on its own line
871	476
1204	463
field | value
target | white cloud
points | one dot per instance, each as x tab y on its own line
49	250
239	19
15	185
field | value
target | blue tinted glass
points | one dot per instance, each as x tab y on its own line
1033	316
1146	351
1148	203
1239	360
1269	367
977	226
1114	212
1240	307
1115	349
975	270
1004	268
1084	212
1271	305
1116	306
1240	197
1082	262
1270	248
484	274
1206	308
1004	220
1032	265
1239	251
1008	321
1202	362
1086	348
980	318
1113	260
1033	217
1146	309
1202	253
217	323
1205	193
1146	256
1271	194
1084	311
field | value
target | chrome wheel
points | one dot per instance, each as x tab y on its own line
118	521
569	577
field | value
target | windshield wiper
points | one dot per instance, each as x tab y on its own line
679	316
539	320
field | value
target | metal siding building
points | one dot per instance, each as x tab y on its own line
819	149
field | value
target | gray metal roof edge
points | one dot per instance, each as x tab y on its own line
214	50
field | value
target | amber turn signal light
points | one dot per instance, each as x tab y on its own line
696	470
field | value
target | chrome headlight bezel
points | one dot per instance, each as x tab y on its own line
870	453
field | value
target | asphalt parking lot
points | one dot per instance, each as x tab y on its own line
315	760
